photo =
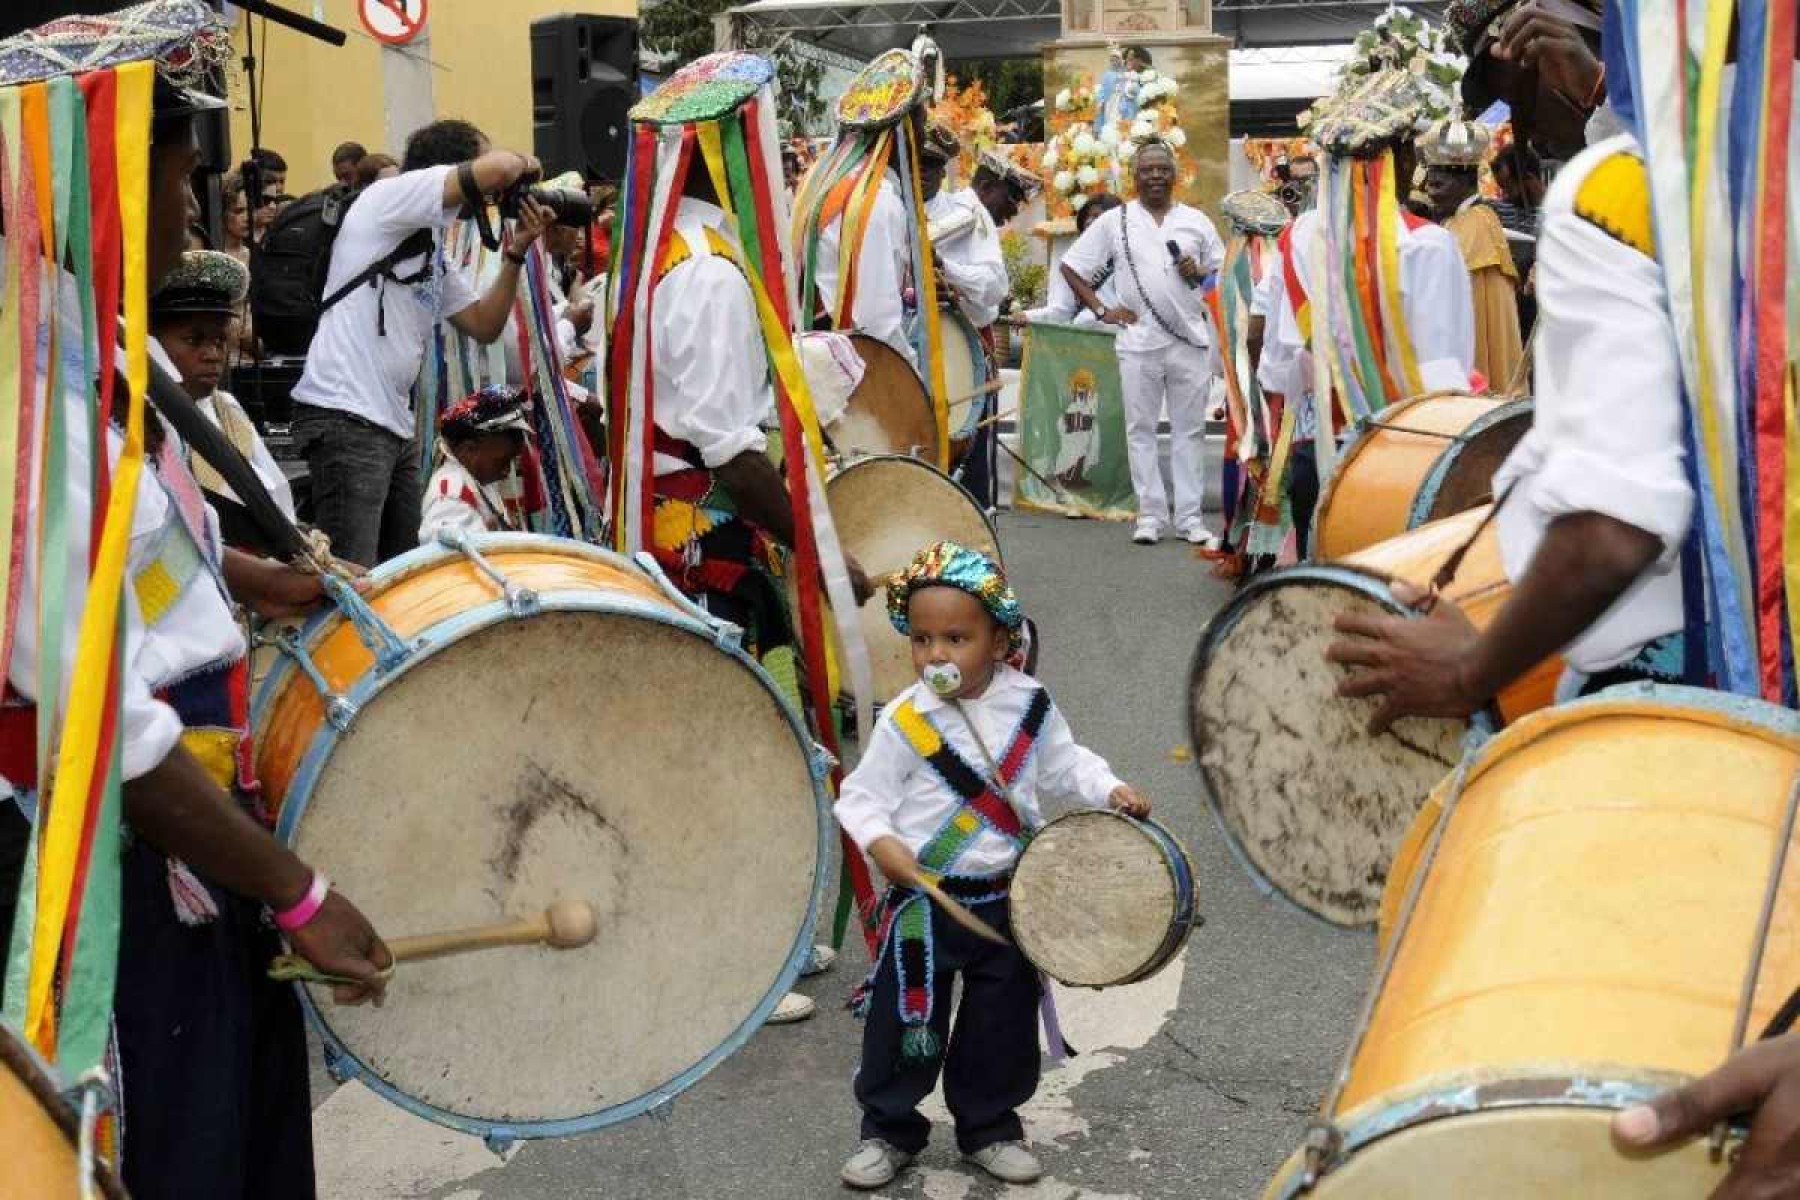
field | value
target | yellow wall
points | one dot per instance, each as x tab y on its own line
315	95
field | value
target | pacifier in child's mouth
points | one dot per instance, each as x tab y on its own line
945	679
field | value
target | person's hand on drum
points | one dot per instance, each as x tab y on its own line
1763	1081
1118	314
1129	801
271	588
1413	664
339	940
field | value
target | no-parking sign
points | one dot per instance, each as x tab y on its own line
395	22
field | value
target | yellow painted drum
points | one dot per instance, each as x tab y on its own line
39	1132
1579	942
511	720
1312	804
1420	460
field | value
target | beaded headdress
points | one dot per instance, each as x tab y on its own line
947	564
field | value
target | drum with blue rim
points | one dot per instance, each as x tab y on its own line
510	720
1100	899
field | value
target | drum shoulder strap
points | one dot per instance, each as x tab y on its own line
983	804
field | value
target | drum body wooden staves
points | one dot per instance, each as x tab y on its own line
1578	944
886	510
560	724
890	412
1420	460
1313	805
1100	899
39	1131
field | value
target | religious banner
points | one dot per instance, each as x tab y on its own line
1072	424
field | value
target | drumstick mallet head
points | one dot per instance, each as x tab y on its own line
571	924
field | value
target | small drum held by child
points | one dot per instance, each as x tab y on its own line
1100	899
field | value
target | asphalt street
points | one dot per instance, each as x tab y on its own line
1195	1084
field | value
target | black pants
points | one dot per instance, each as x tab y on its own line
990	1060
365	484
213	1053
1303	493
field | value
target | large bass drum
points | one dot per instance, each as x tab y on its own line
965	375
41	1131
890	412
886	510
1313	805
1420	460
511	720
1581	937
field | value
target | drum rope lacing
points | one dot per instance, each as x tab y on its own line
1747	993
1324	1137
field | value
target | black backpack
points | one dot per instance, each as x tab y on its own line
287	289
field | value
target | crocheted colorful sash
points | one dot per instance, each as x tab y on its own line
906	915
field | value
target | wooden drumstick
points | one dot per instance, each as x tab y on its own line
962	916
565	925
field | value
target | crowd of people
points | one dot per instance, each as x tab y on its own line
1413	283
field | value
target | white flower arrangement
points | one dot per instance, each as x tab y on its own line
1088	176
1049	161
1065	100
1079	201
1176	137
1064	182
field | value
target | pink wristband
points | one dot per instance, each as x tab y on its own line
307	907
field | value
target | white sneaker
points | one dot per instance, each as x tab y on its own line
793	1009
1148	532
818	962
874	1165
1199	535
1009	1162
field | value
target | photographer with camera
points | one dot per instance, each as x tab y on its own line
386	290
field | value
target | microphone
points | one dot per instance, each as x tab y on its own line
1175	257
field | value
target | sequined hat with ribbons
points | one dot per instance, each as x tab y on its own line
947	564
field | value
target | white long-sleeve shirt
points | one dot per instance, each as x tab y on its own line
1434	294
1606	427
711	368
894	793
1135	247
883	271
969	258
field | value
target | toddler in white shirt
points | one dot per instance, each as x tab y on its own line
948	791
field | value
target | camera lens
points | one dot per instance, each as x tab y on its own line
571	207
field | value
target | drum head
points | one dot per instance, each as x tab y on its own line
890	411
1094	898
1314	803
1464	476
965	371
41	1131
589	753
887	510
1503	1154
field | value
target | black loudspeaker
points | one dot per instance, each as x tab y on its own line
584	81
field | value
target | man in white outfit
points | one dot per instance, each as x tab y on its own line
1159	253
